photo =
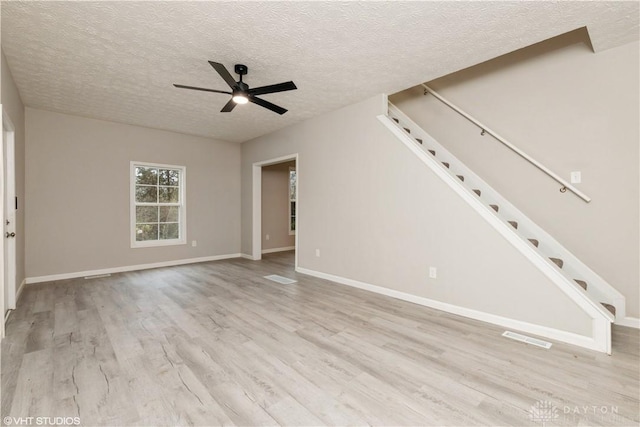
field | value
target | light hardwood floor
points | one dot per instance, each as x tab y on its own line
215	343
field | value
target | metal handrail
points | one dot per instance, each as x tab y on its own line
565	185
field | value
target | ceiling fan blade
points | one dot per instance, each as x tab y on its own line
201	88
266	104
228	106
280	87
221	69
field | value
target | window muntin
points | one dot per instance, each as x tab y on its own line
157	208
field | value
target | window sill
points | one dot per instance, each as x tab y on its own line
158	243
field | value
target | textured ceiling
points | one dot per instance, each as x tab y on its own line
117	60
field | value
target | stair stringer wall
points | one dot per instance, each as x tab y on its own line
601	318
381	218
599	291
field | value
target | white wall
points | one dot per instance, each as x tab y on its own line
380	216
12	103
275	206
571	109
77	189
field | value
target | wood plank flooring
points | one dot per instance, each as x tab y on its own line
215	343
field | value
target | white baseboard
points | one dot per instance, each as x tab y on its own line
19	291
63	276
542	331
270	251
246	256
631	322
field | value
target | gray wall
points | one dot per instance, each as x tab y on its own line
380	216
77	189
275	206
571	109
12	103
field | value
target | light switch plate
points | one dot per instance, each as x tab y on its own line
576	177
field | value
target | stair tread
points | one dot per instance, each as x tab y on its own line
582	283
609	307
419	140
408	130
433	153
460	177
446	164
534	242
557	261
478	192
495	207
395	120
513	224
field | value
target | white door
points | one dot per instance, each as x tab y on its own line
9	214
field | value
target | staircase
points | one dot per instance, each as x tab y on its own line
592	293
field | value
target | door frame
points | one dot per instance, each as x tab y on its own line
256	234
8	194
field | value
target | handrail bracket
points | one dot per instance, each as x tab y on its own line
565	185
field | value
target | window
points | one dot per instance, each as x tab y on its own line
293	191
158	211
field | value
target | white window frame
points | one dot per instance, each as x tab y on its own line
182	223
295	199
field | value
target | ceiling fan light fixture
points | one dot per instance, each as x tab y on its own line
240	91
240	98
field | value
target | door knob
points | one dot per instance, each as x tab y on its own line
10	234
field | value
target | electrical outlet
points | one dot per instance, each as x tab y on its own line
318	252
576	177
268	237
433	272
194	243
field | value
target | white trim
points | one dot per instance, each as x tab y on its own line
584	300
182	205
256	238
270	251
295	200
9	174
3	303
599	290
542	331
256	195
77	274
247	256
631	322
18	295
20	289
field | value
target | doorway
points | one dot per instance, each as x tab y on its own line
8	207
276	212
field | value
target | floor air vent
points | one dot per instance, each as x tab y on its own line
526	339
280	279
97	276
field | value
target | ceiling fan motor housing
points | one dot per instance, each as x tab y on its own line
241	69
